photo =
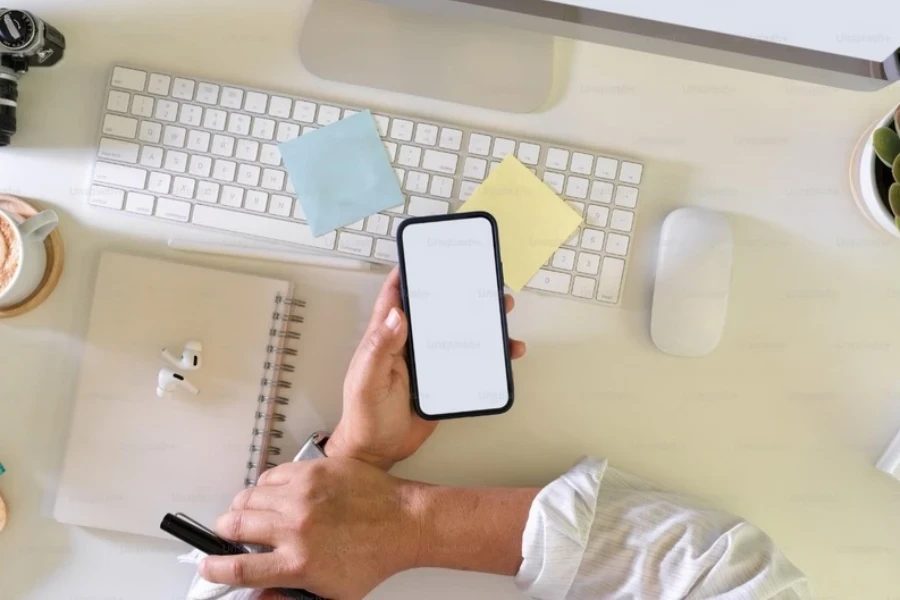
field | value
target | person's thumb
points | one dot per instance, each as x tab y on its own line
386	339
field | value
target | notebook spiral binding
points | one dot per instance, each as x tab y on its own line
269	403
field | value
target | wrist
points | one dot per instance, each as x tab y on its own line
340	446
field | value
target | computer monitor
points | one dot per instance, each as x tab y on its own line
500	53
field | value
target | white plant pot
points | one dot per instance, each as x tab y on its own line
864	182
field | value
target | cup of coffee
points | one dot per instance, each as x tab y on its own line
23	256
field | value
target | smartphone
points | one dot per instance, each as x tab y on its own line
451	282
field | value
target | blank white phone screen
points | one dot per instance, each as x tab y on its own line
455	316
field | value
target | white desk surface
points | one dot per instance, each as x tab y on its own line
782	424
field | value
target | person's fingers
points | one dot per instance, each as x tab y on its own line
251	526
381	343
388	298
517	349
263	570
261	497
509	302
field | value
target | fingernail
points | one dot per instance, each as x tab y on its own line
393	319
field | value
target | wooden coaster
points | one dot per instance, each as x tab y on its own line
54	245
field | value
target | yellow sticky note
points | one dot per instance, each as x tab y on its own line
533	221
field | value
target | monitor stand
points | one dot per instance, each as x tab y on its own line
426	54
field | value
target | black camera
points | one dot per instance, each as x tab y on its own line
25	41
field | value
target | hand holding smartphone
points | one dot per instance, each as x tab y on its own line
451	279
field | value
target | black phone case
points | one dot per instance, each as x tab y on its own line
404	296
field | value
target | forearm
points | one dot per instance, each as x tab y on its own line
471	529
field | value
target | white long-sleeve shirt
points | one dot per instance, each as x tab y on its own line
600	534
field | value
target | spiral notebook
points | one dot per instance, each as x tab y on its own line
274	357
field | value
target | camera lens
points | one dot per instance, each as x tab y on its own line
9	94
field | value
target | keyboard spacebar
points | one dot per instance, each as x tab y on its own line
273	229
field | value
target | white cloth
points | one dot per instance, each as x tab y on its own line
596	533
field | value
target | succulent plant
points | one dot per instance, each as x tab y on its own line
886	143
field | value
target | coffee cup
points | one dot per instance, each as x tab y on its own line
23	255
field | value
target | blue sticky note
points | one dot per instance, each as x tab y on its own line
341	173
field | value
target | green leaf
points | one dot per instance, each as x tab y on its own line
894	199
886	145
897	222
895	170
897	119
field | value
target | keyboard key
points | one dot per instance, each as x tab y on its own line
183	89
582	163
494	166
260	226
280	206
174	136
555	181
166	110
577	187
610	280
550	281
184	187
588	263
631	173
118	175
503	147
475	168
626	196
287	131
426	135
378	223
349	113
256	201
402	130
280	107
208	192
263	129
200	166
118	101
142	106
592	239
232	196
480	144
622	220
466	189
130	79
441	187
564	259
105	197
214	119
583	288
597	215
391	148
222	145
150	132
246	150
351	243
256	103
451	139
577	207
239	124
111	149
529	154
248	175
606	168
602	191
442	162
417	182
198	141
207	93
395	225
557	159
141	204
357	225
232	98
273	180
174	210
159	183
123	127
152	156
307	129
191	114
426	207
401	174
617	244
572	242
159	84
328	115
386	250
409	156
382	123
224	170
304	111
270	155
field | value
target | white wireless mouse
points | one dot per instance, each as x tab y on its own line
693	277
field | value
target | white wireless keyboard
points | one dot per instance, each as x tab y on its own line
205	154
